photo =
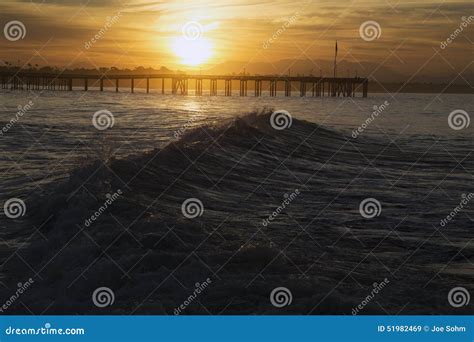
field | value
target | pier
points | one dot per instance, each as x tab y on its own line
180	84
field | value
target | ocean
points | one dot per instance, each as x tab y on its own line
325	198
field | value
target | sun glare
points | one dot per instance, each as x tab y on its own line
192	52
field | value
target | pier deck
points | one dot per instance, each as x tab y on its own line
307	85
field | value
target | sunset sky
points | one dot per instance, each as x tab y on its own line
150	33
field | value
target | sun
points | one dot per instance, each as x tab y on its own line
192	52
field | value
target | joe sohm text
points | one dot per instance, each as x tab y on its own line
421	328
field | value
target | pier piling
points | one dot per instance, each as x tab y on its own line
309	85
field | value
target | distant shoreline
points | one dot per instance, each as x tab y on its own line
419	88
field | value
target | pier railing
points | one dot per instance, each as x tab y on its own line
308	85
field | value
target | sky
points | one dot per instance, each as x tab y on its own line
404	36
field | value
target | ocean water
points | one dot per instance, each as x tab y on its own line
269	208
47	140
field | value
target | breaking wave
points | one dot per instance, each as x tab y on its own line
318	245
